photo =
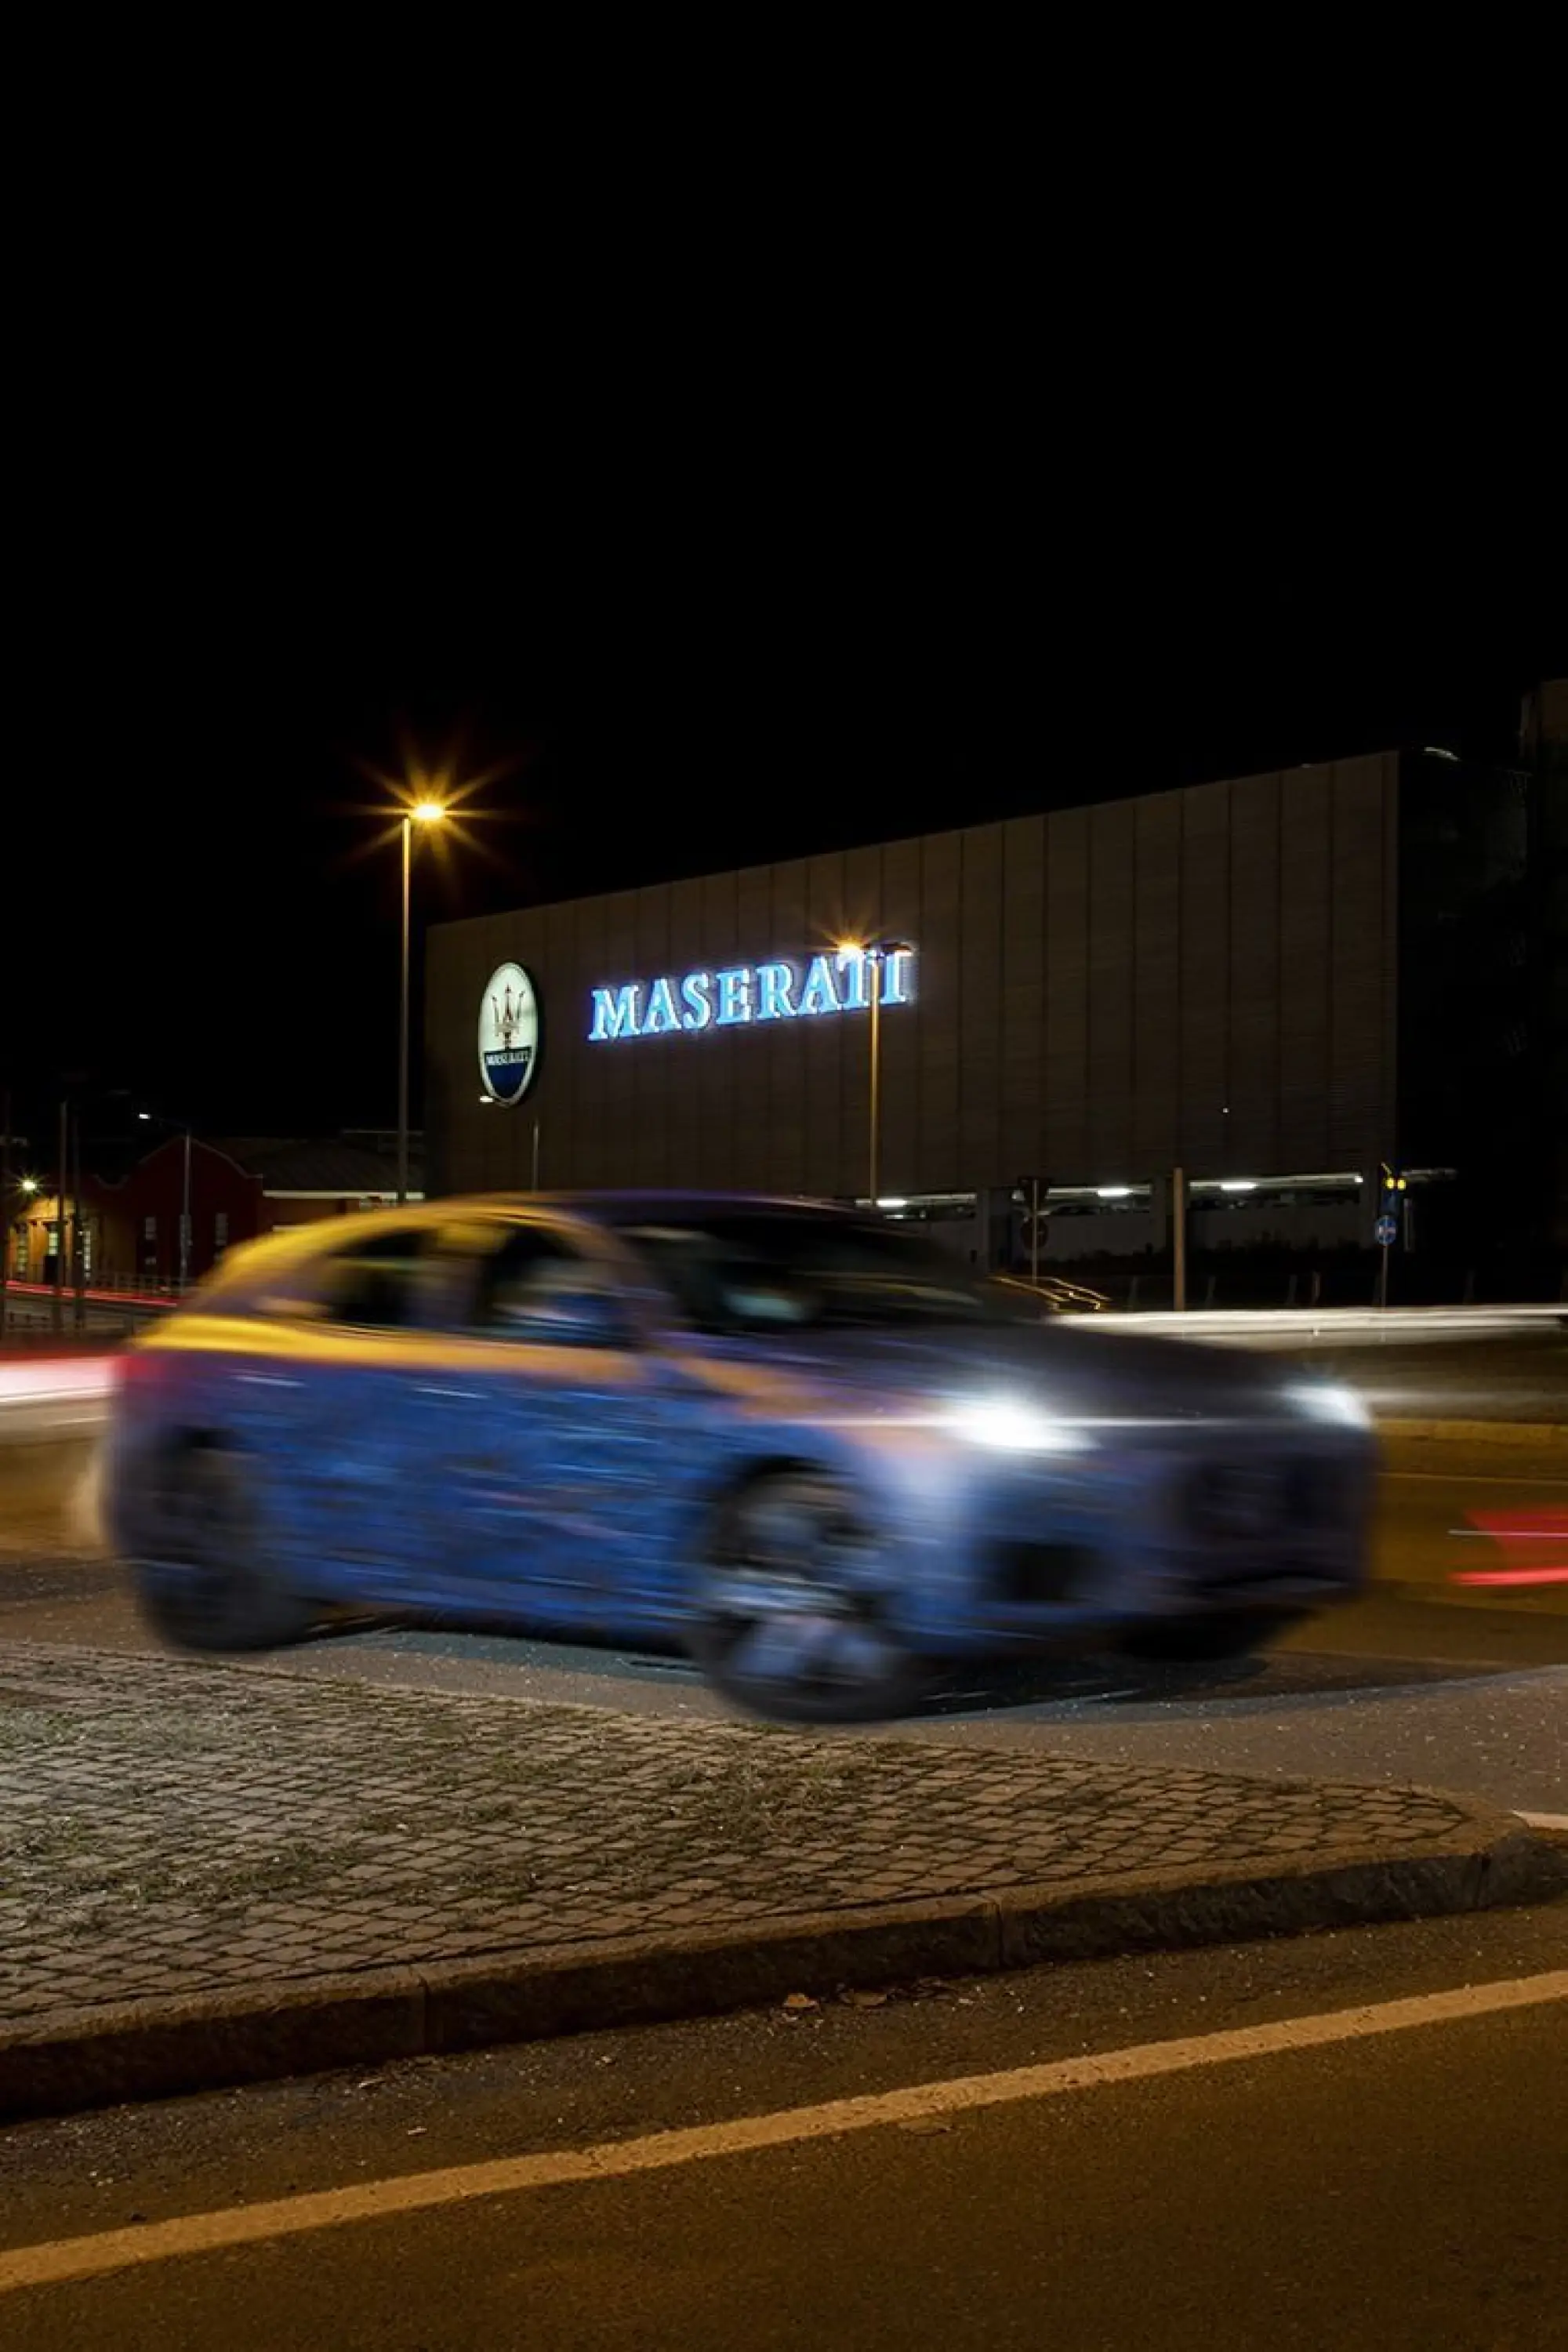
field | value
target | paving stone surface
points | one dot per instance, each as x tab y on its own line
171	1826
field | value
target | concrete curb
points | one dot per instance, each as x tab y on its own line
161	2048
1549	1436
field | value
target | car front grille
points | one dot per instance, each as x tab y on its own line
1238	1503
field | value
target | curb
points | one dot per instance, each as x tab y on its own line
1549	1436
159	2049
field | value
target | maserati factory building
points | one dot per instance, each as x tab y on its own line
1277	985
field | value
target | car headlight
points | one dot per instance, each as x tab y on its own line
1009	1425
1326	1401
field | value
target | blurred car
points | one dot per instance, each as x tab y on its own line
799	1440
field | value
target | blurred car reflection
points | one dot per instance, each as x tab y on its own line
802	1441
1058	1297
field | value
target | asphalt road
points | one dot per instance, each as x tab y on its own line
1083	2157
1519	1377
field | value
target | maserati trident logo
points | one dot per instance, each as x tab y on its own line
509	1033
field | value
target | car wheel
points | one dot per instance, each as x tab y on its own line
791	1617
1208	1641
206	1583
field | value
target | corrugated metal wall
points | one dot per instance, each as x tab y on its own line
1204	978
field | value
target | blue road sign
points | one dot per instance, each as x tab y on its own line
1387	1232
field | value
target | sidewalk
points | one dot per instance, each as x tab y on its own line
209	1876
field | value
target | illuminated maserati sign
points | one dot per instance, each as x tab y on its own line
509	1034
805	989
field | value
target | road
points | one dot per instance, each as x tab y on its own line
1351	2141
1447	1372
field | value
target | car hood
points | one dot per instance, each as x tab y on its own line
1096	1373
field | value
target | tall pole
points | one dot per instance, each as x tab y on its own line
1035	1231
403	1024
186	1220
5	1208
873	1154
1179	1239
78	1253
62	1178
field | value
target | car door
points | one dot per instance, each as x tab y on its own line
553	1408
358	1481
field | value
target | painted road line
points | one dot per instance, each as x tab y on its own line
378	2200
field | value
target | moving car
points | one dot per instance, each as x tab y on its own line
800	1440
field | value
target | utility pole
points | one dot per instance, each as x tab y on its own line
1391	1202
1179	1239
78	1253
4	1211
186	1218
62	1178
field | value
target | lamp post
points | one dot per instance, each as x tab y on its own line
875	954
422	813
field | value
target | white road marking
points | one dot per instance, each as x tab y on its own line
378	2200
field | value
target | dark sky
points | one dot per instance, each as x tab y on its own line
184	914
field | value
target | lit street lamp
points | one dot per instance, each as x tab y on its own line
875	952
422	813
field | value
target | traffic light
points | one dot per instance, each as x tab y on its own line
1392	1208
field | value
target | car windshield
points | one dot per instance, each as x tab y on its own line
757	1271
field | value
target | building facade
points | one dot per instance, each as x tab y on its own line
1275	984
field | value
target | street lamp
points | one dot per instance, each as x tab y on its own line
421	813
875	952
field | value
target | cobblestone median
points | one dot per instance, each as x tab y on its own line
171	1827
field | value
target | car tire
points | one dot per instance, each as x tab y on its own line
1228	1633
205	1583
791	1617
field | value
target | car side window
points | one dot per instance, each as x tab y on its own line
373	1285
531	1284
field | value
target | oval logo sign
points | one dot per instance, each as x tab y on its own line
509	1033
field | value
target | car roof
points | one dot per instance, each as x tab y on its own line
615	1207
270	1254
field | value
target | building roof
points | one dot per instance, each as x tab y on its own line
325	1165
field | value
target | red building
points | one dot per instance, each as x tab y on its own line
128	1230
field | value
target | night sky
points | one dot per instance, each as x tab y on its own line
184	913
